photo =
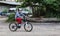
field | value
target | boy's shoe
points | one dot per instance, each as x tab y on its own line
19	25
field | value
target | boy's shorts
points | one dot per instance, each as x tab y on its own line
19	20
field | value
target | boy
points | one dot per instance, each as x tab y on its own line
19	17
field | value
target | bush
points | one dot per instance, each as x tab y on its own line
11	18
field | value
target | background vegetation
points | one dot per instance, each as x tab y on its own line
46	8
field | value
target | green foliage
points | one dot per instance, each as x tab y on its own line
11	18
51	8
49	1
19	0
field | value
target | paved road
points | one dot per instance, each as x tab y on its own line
39	29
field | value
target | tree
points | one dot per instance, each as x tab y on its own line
50	7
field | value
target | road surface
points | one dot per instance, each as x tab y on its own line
39	29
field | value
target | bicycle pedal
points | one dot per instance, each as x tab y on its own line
18	26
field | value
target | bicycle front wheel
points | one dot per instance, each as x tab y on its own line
28	27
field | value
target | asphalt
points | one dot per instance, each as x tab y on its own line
39	29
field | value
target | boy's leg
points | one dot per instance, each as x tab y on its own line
19	21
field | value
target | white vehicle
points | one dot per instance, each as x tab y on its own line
24	10
10	12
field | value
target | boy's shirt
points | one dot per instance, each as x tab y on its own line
18	14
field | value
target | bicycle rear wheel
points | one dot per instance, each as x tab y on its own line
12	27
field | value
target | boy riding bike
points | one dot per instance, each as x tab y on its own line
19	17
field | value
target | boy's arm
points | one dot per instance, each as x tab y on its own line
17	15
22	14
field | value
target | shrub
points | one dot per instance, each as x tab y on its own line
11	18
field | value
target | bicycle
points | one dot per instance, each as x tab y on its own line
27	26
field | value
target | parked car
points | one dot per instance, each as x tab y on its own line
3	13
7	14
0	13
27	12
24	11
